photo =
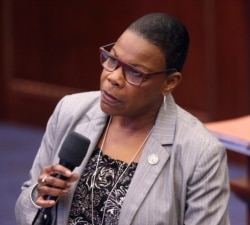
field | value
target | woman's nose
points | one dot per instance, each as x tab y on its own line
116	77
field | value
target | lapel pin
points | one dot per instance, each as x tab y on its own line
153	159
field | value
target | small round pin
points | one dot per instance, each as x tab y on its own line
153	159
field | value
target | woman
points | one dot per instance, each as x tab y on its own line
149	161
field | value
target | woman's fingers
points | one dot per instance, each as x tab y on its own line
51	183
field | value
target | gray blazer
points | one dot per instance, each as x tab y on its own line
188	184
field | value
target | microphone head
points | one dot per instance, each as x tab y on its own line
74	149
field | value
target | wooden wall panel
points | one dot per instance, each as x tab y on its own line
51	49
233	59
4	56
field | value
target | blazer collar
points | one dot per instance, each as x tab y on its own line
165	123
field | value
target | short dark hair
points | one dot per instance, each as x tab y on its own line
167	33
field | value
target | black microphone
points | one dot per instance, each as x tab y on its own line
73	150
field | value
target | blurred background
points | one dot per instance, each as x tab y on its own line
49	48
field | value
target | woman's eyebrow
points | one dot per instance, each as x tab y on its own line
113	51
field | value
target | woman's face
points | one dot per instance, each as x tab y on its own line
120	98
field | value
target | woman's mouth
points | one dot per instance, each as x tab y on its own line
109	99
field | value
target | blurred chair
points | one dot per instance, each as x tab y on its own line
234	134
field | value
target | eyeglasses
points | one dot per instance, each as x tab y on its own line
130	73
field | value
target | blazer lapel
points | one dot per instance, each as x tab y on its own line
144	177
154	157
91	128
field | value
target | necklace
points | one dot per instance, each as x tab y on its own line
97	164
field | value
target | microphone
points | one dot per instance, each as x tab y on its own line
72	152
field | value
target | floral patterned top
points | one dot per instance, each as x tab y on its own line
106	202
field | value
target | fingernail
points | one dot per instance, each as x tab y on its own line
68	173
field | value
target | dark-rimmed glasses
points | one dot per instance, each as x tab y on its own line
130	73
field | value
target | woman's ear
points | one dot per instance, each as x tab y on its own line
171	82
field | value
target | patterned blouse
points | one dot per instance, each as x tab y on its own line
106	205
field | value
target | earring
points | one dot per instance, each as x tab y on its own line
166	92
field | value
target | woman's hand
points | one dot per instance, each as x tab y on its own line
49	185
